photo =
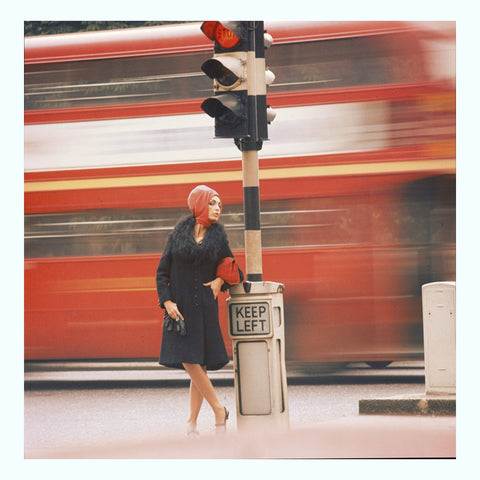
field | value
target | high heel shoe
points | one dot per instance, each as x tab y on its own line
222	427
192	431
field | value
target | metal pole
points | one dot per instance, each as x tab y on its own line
253	234
250	147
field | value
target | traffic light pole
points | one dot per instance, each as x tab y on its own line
240	111
256	90
251	198
259	353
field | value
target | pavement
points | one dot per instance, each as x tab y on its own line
393	428
359	437
390	428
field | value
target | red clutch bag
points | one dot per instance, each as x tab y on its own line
228	270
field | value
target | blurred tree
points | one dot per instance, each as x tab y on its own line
53	27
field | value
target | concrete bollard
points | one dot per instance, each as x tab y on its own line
256	326
439	337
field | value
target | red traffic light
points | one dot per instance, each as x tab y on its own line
218	33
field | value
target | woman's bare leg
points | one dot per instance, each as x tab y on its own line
204	386
196	400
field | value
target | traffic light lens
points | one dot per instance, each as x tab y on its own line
212	107
216	70
217	32
208	28
225	37
226	78
225	108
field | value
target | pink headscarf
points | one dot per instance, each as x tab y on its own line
199	201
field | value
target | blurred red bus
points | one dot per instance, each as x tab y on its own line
357	183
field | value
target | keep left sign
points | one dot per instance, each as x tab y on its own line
250	319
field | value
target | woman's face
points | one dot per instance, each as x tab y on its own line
214	209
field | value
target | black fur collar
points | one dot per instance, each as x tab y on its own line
184	243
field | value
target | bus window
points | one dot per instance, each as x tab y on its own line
115	81
340	63
284	223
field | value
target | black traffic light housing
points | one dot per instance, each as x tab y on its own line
239	78
229	74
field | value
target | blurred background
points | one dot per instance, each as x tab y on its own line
357	183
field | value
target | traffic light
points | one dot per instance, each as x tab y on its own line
239	80
228	70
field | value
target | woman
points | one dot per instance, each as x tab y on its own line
189	280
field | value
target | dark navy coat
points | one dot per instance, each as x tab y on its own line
183	269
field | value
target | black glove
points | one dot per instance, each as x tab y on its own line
168	322
180	326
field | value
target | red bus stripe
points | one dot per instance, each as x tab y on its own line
275	100
183	38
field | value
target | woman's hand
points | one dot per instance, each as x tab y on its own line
215	285
172	309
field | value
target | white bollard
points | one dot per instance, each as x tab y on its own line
439	337
256	326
